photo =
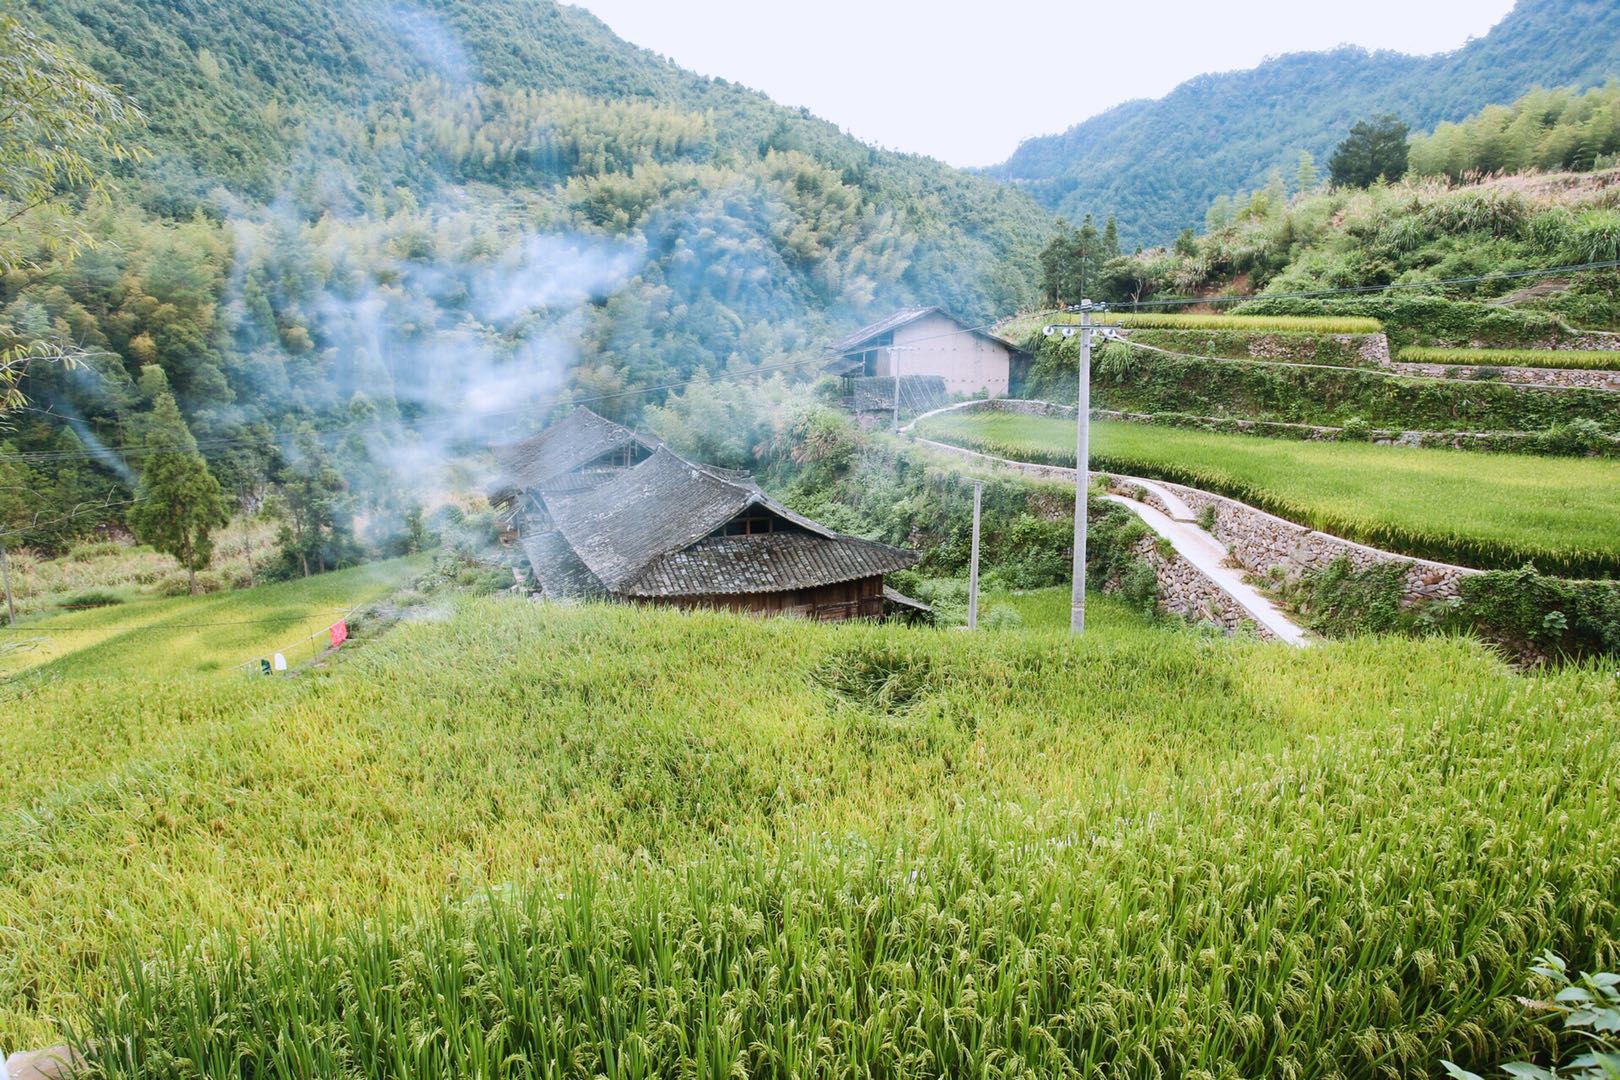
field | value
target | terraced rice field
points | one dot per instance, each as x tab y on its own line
1591	360
1487	510
606	841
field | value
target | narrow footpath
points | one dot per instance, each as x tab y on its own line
1180	527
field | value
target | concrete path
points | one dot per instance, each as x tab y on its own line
1180	526
1209	556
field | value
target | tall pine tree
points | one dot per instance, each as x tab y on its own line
179	502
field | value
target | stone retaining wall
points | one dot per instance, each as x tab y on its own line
1185	591
1261	542
1525	376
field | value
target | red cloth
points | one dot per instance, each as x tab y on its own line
340	633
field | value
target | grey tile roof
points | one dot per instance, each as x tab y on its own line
557	569
764	562
623	531
569	444
883	326
872	332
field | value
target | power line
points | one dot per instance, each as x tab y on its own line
32	526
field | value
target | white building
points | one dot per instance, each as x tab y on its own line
926	341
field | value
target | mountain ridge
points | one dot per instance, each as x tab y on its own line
1157	163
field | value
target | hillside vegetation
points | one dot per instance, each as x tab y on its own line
736	844
1550	130
368	237
1406	234
1158	164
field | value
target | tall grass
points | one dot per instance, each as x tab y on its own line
1496	510
1587	359
746	848
138	571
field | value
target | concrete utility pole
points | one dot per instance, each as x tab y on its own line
1082	457
11	607
1082	475
973	562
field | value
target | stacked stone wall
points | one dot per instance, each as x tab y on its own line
1184	590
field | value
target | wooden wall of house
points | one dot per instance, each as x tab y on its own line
862	598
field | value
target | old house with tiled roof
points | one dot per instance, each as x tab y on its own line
638	523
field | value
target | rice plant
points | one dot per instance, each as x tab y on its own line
610	842
1021	327
1587	359
1282	324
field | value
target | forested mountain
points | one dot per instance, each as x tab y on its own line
365	231
1159	164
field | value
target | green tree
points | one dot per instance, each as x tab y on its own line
1374	148
58	122
1305	173
179	502
315	529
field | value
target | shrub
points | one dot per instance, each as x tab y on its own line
94	549
1356	429
91	598
1338	600
1577	438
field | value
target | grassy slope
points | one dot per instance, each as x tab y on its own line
196	633
1146	846
1527	505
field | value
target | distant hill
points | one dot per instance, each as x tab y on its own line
366	225
271	98
1158	164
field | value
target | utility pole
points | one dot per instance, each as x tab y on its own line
1082	474
894	362
973	562
1082	457
11	607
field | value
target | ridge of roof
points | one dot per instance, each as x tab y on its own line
904	317
885	324
561	447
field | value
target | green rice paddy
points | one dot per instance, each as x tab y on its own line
543	841
1488	510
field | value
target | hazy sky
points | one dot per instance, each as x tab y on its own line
967	82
